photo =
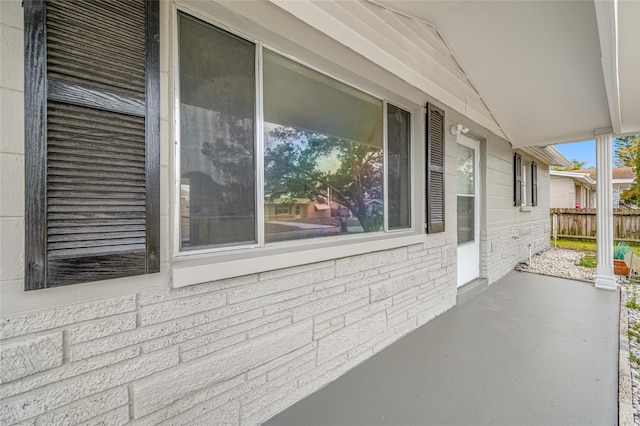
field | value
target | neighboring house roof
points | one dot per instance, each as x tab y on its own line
620	174
577	175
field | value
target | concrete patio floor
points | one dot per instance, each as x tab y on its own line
530	350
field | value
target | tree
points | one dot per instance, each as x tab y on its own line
304	164
626	148
575	165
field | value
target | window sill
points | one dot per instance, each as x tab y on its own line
526	208
213	267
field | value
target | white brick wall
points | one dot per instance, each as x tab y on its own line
29	356
506	246
235	351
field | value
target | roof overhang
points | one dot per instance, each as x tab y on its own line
549	71
577	176
548	155
535	72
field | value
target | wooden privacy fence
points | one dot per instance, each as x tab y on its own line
581	223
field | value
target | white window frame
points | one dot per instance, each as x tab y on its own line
202	265
526	204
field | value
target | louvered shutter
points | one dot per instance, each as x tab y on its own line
92	140
517	180
534	184
435	169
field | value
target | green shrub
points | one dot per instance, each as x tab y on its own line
620	250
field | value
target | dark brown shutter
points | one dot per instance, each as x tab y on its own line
534	184
517	180
92	140
435	169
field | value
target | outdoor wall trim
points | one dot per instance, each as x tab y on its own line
216	267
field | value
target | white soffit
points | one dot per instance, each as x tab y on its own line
537	64
407	47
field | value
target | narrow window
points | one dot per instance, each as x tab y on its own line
534	184
517	180
466	173
398	167
217	136
91	141
322	151
523	191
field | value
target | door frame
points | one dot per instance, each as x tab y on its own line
470	248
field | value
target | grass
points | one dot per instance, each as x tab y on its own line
588	262
579	245
588	246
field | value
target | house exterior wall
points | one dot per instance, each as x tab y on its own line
509	231
563	192
240	349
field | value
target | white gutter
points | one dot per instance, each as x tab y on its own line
548	154
574	175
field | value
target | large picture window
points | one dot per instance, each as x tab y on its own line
322	167
323	152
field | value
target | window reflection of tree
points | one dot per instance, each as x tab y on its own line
466	194
466	175
301	163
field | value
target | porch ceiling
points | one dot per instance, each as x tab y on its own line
549	71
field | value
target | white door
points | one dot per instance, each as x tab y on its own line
468	211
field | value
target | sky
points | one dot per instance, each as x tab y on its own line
581	151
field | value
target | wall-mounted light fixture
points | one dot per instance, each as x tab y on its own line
459	128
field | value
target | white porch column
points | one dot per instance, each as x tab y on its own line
604	213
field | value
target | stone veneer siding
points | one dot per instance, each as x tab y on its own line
506	246
232	351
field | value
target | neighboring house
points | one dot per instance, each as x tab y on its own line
297	209
141	280
577	188
622	179
572	189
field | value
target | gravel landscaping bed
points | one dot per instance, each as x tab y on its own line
559	263
633	311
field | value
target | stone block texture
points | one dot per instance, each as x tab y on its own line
506	246
235	351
